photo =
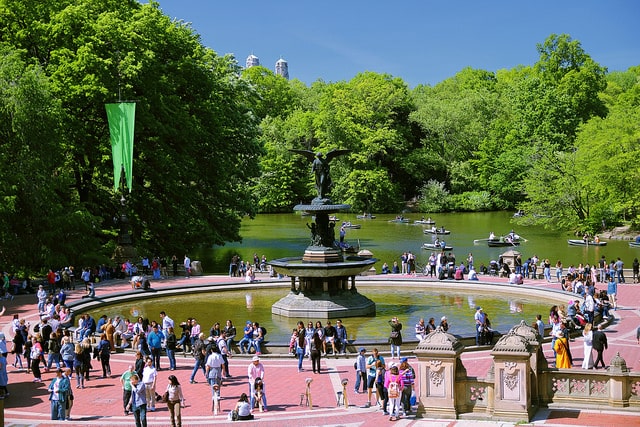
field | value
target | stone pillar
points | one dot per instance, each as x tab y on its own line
618	384
537	360
293	284
439	355
512	385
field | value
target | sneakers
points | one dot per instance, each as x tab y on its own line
193	382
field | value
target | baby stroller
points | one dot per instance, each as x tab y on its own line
493	268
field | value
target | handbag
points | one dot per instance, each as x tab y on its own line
165	396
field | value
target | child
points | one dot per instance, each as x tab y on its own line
292	341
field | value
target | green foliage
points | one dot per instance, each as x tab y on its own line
473	201
433	197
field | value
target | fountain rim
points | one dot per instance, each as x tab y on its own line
554	296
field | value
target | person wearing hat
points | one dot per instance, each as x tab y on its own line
255	370
361	371
480	320
444	324
563	354
246	340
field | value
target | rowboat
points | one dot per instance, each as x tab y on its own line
497	243
365	216
424	221
350	225
634	244
433	246
436	231
582	242
400	220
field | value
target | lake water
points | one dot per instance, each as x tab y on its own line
286	235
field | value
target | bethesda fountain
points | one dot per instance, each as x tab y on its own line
323	279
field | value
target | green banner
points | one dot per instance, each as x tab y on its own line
122	118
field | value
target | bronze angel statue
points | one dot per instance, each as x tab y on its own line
320	168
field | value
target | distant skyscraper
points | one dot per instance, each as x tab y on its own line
282	68
252	61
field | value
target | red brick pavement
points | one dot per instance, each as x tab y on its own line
101	403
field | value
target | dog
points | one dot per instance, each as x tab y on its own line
258	393
216	400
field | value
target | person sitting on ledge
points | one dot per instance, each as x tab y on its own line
92	291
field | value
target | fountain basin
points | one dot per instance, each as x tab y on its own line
297	267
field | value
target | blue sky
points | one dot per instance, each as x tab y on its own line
423	42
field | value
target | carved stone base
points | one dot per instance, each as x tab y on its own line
322	254
346	304
122	253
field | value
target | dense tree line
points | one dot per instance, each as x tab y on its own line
558	139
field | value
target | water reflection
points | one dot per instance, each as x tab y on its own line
408	303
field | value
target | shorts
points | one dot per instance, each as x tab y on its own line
371	381
330	339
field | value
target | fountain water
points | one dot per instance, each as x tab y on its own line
325	286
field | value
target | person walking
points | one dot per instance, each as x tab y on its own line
315	351
187	266
361	371
199	355
175	401
138	402
170	347
214	371
394	384
599	345
70	397
58	391
104	352
154	341
149	379
587	360
125	381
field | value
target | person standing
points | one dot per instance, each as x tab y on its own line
255	370
214	372
174	264
301	343
619	270
69	402
187	266
612	292
408	377
58	391
4	377
104	350
175	400
396	337
599	345
149	379
170	347
394	384
316	348
540	325
480	318
154	341
587	361
125	381
563	355
138	402
371	373
361	371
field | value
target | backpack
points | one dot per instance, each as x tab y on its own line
264	330
54	346
105	349
394	388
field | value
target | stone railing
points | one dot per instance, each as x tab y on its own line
518	382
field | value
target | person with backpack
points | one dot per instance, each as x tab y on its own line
199	354
104	353
54	350
393	383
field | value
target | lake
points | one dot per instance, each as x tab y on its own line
286	235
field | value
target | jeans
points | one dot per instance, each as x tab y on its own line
252	397
361	377
53	357
300	354
171	354
395	348
57	410
245	344
257	343
155	355
140	414
199	363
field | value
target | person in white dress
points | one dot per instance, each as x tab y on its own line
587	361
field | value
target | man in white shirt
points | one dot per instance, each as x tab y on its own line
167	322
254	371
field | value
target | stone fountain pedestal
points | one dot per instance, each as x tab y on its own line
323	279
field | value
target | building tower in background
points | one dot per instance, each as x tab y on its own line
252	61
282	68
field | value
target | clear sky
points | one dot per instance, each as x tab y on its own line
420	41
